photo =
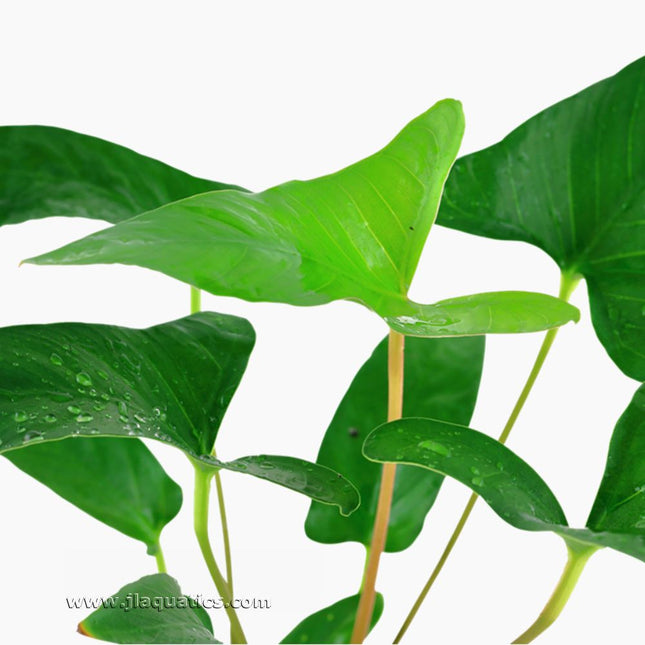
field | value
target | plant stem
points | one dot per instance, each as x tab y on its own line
578	556
568	283
379	535
203	476
225	534
161	562
195	307
195	300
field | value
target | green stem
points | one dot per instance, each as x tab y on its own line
203	476
161	562
578	556
195	300
195	307
568	283
225	534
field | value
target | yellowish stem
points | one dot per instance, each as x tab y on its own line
379	534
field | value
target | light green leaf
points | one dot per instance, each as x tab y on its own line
441	379
117	481
571	181
150	610
502	312
172	383
332	624
48	171
356	234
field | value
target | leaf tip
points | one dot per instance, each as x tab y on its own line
81	629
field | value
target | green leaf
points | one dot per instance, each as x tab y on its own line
150	610
502	312
571	181
514	490
332	624
441	379
355	234
49	171
117	481
172	383
620	502
506	483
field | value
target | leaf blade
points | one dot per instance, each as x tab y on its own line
149	610
172	383
332	624
49	171
130	490
442	378
571	180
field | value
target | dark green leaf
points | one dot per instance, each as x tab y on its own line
515	491
508	485
49	171
117	481
150	610
441	380
172	382
571	180
620	502
332	624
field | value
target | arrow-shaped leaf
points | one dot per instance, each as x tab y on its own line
356	234
571	180
49	171
150	610
441	380
172	383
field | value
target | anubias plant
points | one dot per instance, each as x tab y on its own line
76	398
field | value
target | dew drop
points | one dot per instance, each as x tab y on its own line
32	436
439	448
103	375
50	418
83	378
73	409
21	430
474	471
477	481
122	407
56	359
105	396
20	417
84	418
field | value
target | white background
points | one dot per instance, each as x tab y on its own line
257	93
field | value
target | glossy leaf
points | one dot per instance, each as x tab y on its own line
512	488
49	171
117	481
571	181
356	234
150	610
620	502
502	312
442	379
506	483
332	624
172	382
